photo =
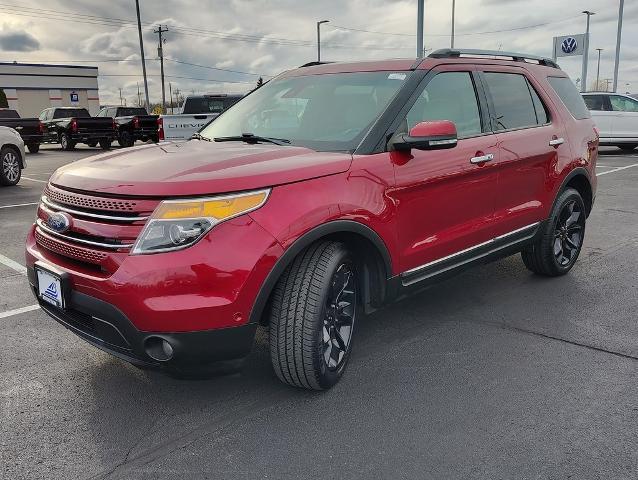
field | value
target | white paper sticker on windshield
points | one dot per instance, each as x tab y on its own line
397	76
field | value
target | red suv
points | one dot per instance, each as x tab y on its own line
326	193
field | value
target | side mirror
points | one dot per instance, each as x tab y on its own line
434	135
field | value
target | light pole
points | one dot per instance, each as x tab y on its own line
319	38
598	70
618	35
452	38
419	28
583	84
139	31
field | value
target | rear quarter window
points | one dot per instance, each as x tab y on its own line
570	97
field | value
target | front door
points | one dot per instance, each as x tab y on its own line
444	198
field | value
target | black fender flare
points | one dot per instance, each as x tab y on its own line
308	238
578	171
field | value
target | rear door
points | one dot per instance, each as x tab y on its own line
531	142
625	120
601	112
444	201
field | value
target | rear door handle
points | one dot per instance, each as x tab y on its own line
555	142
488	157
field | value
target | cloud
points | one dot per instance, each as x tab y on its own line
18	41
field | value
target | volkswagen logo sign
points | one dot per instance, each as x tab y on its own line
59	222
569	45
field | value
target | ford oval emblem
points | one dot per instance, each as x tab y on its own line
59	222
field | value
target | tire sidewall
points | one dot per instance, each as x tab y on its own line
566	197
3	180
327	378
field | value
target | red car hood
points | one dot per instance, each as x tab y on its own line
197	168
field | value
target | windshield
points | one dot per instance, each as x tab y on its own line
330	112
8	113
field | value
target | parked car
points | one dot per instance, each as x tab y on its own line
30	129
69	126
12	156
616	116
322	196
196	112
132	124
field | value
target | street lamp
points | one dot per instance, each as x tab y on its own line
319	39
598	70
583	85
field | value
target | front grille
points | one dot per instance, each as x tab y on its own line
82	254
85	201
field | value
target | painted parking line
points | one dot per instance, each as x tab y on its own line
34	179
12	264
18	311
19	205
617	169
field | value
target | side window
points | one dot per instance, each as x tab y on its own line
448	96
513	104
570	97
594	102
101	112
623	104
43	115
541	112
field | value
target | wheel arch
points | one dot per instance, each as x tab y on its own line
579	180
370	251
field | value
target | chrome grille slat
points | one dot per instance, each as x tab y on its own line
109	246
118	218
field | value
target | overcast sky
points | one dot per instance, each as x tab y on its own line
264	37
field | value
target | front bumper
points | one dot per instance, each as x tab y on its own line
107	328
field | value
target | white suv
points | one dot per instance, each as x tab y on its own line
616	116
12	157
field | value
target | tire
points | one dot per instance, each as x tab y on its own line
105	144
312	317
557	249
10	170
66	143
154	139
628	147
125	139
33	147
92	143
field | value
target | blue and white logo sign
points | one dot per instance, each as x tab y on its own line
74	97
569	45
52	291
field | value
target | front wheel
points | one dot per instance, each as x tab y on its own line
556	250
33	147
11	171
66	142
105	144
125	139
312	318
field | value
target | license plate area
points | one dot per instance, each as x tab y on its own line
51	286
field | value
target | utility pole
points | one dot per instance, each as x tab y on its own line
598	70
419	28
583	83
160	54
618	36
170	93
452	38
139	31
139	97
121	97
319	39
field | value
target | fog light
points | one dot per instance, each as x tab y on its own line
158	349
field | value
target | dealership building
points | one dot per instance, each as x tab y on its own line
29	88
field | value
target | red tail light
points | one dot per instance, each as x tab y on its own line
41	127
160	128
136	122
114	124
74	125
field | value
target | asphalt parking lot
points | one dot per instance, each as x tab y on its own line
496	373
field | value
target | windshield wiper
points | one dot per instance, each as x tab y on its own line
251	138
198	136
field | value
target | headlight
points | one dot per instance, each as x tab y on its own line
177	224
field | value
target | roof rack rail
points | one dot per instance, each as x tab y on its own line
314	64
517	57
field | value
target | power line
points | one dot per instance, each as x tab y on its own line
216	68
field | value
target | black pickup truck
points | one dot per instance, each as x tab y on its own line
132	123
69	126
30	129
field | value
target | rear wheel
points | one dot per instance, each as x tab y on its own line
125	139
66	143
92	143
556	250
630	147
11	171
33	147
105	144
314	306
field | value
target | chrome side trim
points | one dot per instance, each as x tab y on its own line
79	213
41	225
480	245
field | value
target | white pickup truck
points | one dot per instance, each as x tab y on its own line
196	112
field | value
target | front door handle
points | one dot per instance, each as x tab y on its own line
555	142
488	157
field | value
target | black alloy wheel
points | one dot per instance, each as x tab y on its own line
339	316
568	234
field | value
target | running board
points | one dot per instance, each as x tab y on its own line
469	255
